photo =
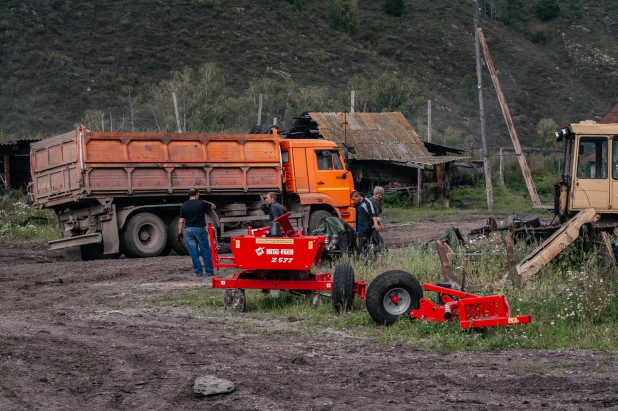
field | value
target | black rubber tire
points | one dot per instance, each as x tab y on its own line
386	282
343	287
91	252
316	218
180	247
154	227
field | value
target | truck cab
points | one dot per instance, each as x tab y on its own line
590	174
314	171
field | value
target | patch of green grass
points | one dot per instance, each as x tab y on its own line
572	306
18	220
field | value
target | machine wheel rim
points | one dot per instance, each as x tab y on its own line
148	235
397	301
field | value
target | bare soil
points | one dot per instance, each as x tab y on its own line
86	335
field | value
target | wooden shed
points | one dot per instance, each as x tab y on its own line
15	163
388	152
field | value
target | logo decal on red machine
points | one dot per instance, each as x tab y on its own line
259	251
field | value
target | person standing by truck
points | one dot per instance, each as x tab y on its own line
366	219
378	192
275	209
192	217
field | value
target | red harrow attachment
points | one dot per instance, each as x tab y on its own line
396	293
279	258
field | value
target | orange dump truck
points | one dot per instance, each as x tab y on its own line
121	192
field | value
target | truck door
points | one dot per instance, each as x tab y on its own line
330	176
591	183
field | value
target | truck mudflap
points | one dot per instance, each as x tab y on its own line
94	238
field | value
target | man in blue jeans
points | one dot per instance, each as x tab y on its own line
192	216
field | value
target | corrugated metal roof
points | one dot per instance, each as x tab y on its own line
18	143
377	136
611	117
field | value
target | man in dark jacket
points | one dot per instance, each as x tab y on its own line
276	209
192	217
366	219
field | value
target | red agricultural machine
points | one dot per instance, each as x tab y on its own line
279	258
395	293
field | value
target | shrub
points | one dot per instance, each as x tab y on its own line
547	9
394	7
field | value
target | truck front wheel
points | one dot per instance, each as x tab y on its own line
145	235
316	218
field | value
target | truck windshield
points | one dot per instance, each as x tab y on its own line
592	158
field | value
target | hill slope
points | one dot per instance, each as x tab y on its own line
60	58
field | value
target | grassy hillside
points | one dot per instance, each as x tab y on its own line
60	58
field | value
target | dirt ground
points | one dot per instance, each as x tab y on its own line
85	335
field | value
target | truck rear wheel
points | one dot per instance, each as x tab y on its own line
392	294
145	235
316	218
180	247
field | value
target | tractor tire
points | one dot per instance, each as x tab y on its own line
145	235
383	288
316	218
91	252
180	247
343	288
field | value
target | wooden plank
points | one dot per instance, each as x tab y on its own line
419	186
445	261
509	121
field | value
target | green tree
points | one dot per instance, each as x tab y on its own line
547	9
545	130
468	96
515	13
342	15
572	10
386	92
394	7
199	94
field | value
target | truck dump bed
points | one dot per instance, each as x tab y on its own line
84	164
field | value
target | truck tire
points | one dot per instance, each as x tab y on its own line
145	235
343	287
91	252
316	218
388	285
180	247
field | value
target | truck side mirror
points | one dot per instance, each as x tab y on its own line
350	149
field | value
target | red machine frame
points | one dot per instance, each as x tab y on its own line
276	263
473	311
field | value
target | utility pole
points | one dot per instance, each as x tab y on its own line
429	121
352	101
489	188
534	196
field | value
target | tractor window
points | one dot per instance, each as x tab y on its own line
592	158
615	158
328	160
